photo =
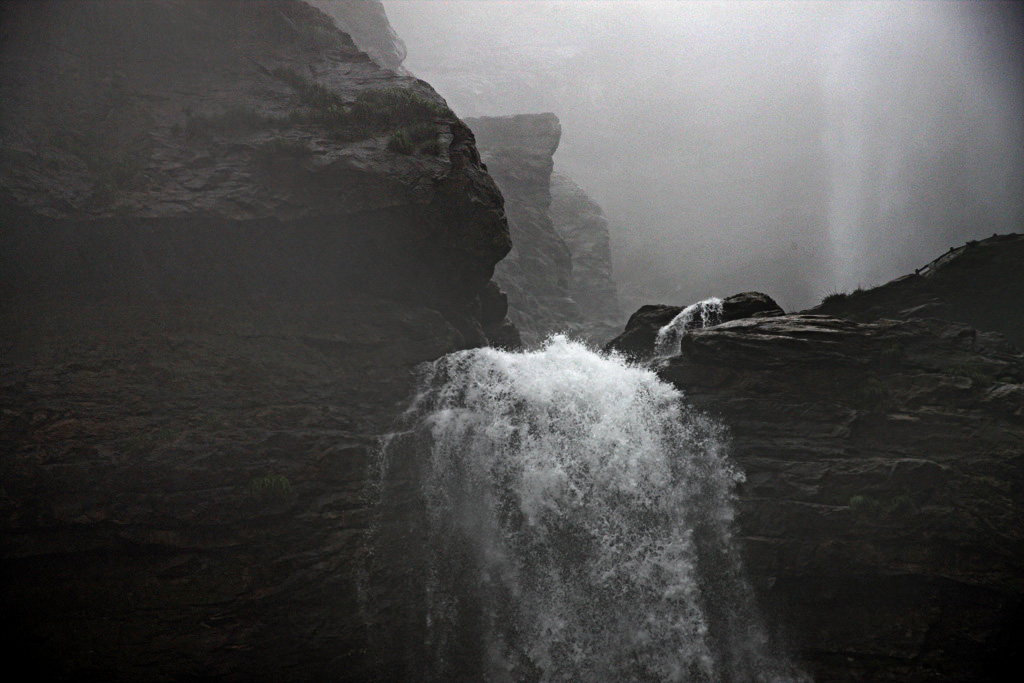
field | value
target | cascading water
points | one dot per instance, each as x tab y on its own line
573	523
701	314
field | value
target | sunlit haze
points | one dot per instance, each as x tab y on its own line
792	148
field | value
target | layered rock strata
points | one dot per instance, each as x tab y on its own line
536	274
883	509
227	237
581	223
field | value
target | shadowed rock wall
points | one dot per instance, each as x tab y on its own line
227	238
882	510
581	223
978	283
536	274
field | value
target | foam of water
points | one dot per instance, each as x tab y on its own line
577	525
701	314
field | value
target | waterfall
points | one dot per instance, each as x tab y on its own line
567	518
707	312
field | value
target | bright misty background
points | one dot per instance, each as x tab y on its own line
792	148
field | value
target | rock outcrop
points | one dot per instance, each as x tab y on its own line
226	239
978	284
286	138
536	274
637	340
581	223
883	509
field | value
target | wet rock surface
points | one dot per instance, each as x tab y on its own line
257	133
882	510
637	340
186	492
218	281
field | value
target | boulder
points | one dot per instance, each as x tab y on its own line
637	340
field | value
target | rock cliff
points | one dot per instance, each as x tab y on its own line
536	274
559	273
366	22
174	123
581	223
882	509
226	238
978	284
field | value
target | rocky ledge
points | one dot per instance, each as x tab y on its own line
637	341
978	284
227	237
883	509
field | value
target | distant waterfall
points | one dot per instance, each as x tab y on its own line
701	314
575	526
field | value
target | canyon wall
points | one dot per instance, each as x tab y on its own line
882	509
518	153
227	237
558	274
366	22
581	223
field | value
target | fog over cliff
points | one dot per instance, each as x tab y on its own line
792	148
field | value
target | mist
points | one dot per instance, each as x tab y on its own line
792	148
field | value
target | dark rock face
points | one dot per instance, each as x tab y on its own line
187	491
978	284
181	150
536	274
883	510
637	341
216	282
581	223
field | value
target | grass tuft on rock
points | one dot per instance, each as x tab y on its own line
419	137
271	488
400	142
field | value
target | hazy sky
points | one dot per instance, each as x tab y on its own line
794	148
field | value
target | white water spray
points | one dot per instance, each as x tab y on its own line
577	526
701	314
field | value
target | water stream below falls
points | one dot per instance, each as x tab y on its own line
560	515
